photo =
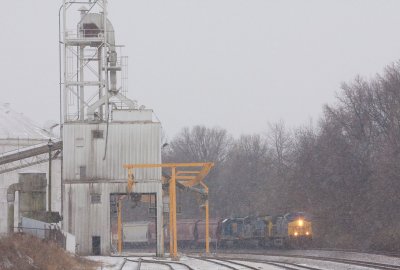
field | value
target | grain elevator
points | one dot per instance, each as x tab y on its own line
102	128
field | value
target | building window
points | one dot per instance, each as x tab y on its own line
82	172
95	198
97	134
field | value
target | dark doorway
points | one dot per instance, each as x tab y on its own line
139	222
96	245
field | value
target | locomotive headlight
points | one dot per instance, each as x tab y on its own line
296	233
300	222
307	233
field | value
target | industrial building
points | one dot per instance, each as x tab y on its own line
102	129
23	155
109	148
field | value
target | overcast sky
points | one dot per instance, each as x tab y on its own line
237	64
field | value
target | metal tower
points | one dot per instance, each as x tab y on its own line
102	129
94	72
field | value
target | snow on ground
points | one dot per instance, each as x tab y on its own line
307	262
367	257
114	263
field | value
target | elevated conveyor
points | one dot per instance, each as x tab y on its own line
28	156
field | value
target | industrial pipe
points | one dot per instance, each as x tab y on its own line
10	200
92	25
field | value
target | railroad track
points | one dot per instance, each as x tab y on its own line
252	250
373	265
141	262
237	261
233	264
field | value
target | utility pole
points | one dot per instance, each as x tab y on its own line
50	145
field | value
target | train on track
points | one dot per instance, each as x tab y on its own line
290	230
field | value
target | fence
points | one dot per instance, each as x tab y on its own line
43	230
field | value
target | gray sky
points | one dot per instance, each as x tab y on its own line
237	64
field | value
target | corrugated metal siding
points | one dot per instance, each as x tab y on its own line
136	143
84	219
127	143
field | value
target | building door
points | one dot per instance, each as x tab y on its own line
96	245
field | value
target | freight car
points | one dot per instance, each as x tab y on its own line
136	234
200	233
290	230
186	230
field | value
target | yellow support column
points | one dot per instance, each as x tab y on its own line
207	230
119	226
206	204
173	212
171	223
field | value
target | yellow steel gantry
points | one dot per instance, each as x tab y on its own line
188	175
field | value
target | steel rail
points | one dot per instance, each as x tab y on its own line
151	262
220	262
169	264
373	265
279	264
217	263
123	264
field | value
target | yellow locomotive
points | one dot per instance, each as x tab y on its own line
292	229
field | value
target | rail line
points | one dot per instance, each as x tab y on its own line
227	263
372	265
237	261
139	262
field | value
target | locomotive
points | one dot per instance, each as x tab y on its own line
290	230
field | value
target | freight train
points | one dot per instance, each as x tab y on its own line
290	230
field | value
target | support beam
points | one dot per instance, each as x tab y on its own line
207	229
183	178
119	225
172	198
28	152
206	204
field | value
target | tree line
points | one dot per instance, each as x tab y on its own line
344	170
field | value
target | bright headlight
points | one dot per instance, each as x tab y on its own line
300	222
296	233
